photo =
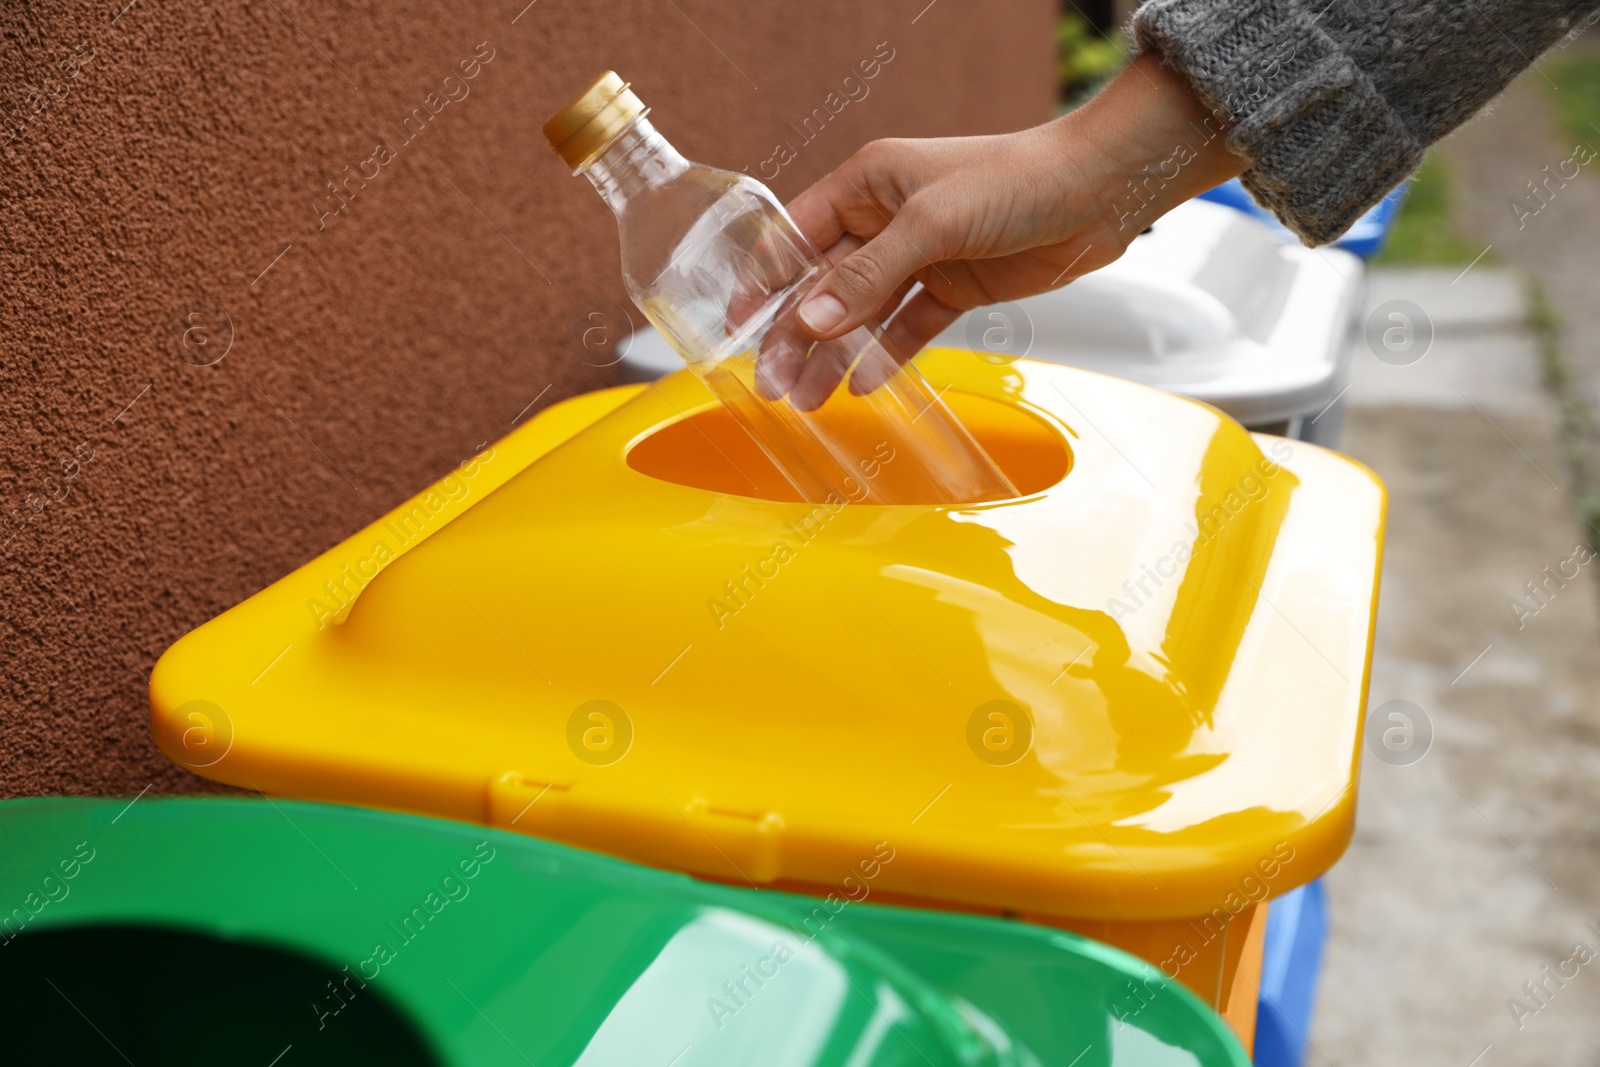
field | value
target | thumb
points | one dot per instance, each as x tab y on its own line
860	284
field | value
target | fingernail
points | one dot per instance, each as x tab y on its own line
821	312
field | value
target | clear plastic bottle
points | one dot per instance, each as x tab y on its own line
719	268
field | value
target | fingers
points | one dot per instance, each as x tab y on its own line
840	249
922	319
773	262
882	314
784	349
782	356
878	363
851	293
824	369
865	200
819	211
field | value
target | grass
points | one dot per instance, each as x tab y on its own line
1578	431
1423	234
1577	108
1577	104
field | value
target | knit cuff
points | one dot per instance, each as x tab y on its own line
1323	144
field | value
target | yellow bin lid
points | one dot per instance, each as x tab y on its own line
1128	694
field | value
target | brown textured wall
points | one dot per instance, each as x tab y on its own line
208	375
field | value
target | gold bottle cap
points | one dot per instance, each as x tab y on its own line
592	120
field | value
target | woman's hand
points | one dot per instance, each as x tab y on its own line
983	219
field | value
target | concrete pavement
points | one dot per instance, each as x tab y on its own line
1477	865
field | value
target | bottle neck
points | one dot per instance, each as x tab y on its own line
638	159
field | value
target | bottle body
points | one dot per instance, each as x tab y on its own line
719	268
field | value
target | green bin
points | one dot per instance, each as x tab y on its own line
190	931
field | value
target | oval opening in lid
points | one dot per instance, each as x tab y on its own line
709	450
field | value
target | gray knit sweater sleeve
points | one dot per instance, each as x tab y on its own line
1334	101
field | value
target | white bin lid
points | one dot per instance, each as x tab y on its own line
1209	304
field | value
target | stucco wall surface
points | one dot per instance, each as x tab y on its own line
267	267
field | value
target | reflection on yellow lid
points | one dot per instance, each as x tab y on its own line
1116	697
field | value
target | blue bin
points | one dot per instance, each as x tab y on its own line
1297	927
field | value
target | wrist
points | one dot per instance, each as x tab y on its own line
1159	145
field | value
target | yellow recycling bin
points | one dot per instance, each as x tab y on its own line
1126	703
